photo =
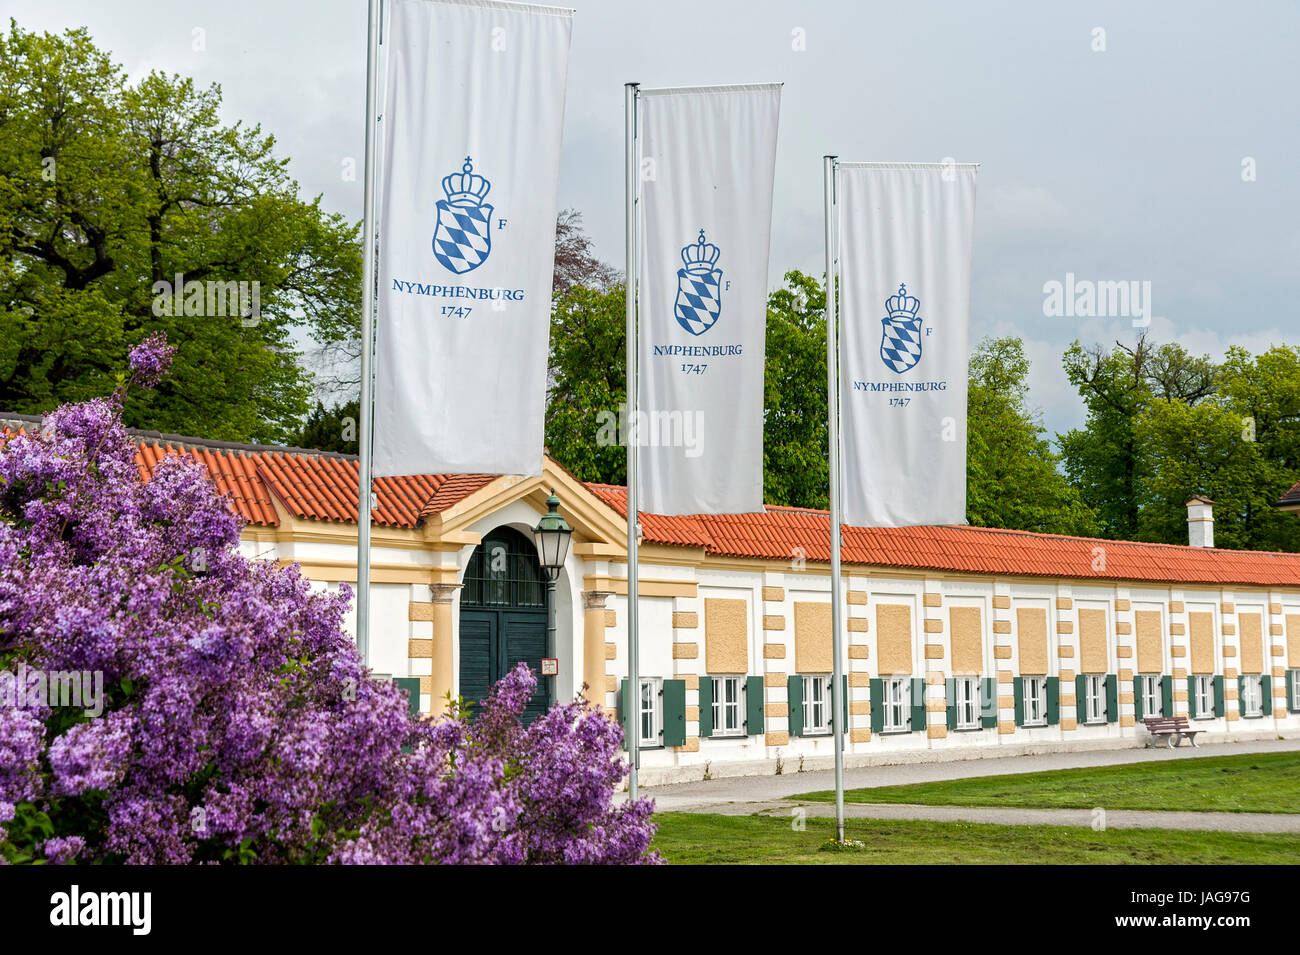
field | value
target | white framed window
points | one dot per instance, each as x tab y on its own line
1095	709
1204	686
1295	686
1151	700
726	706
898	704
968	702
816	705
1035	697
650	712
1251	696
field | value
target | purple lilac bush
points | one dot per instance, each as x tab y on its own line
238	724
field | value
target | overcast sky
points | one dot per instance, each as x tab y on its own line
1119	164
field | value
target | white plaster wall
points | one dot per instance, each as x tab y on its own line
258	550
389	627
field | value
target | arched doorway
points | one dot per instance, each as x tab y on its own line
503	617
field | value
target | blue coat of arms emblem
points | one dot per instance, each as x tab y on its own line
900	340
463	237
699	287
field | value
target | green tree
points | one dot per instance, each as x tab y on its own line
1012	480
108	190
1103	459
1239	447
333	428
795	446
588	385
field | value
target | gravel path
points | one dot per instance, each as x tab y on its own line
1111	819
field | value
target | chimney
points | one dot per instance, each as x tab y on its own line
1200	521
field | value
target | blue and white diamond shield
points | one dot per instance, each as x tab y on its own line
699	286
900	343
699	300
463	239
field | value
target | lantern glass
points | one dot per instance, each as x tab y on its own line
552	535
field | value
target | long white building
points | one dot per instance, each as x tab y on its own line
960	641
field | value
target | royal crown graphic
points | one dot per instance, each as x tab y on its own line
900	339
699	287
462	240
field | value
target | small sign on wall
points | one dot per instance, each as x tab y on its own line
550	666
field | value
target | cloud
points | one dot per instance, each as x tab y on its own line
1021	209
1122	165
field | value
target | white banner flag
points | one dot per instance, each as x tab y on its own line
471	130
707	160
905	237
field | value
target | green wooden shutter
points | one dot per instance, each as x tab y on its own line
411	684
1290	691
1080	699
989	702
1054	701
755	724
844	704
1112	698
918	705
625	709
1139	711
1166	696
1018	685
706	706
1241	695
950	697
794	694
1191	698
1218	697
1266	695
674	712
877	706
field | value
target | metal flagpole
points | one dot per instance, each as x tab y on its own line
365	412
839	695
633	702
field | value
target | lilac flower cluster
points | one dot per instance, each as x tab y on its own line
150	359
239	725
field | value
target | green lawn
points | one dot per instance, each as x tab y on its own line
1262	782
704	839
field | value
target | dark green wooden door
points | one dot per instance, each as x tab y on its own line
503	618
523	639
477	662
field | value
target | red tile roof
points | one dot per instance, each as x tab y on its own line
317	485
233	473
1292	496
785	533
312	485
658	529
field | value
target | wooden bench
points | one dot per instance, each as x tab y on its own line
1172	727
